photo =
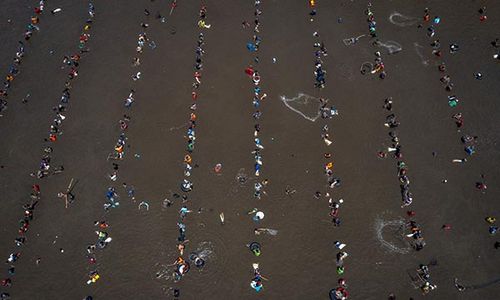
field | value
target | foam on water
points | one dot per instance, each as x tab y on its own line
304	105
392	47
418	50
395	228
401	20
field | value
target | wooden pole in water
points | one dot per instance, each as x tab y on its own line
69	185
173	5
68	190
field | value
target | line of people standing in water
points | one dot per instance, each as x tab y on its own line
327	112
31	28
392	123
20	240
118	154
70	61
258	98
378	66
469	141
44	168
412	229
182	265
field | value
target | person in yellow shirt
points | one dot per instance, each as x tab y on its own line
203	24
93	277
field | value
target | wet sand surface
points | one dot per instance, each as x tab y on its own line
300	261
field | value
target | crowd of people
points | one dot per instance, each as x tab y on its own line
258	97
327	112
412	230
20	240
372	24
378	66
425	283
182	264
31	28
392	123
72	62
118	154
469	141
45	169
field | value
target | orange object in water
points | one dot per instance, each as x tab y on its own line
119	149
329	165
312	3
218	168
193	117
187	159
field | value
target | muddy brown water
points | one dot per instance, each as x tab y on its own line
300	261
